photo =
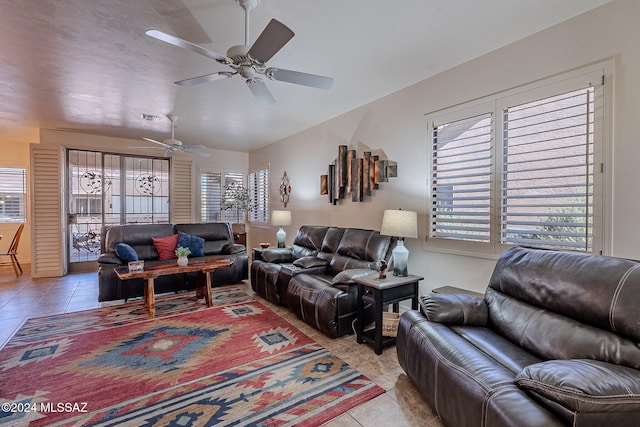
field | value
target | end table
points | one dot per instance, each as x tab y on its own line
380	293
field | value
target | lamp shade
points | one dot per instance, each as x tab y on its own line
399	223
281	218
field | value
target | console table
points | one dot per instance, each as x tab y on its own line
381	293
149	273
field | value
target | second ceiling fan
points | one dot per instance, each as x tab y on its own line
250	61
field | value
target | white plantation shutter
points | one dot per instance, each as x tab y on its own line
182	193
47	258
210	196
211	192
523	167
231	179
259	190
461	179
547	177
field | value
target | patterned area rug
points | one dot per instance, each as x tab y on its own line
236	363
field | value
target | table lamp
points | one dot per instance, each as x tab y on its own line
281	218
401	224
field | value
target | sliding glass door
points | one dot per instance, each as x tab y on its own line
108	189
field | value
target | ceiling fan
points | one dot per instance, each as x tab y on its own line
250	61
172	144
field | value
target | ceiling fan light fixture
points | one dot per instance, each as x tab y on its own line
247	4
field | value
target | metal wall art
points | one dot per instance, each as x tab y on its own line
285	189
357	176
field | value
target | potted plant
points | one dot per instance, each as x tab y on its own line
182	253
236	197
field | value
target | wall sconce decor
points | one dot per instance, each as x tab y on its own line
357	176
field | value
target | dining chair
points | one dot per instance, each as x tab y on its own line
13	251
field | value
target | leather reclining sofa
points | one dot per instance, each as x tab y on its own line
218	243
554	342
314	278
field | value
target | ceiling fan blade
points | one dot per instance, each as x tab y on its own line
260	91
168	153
176	41
205	78
299	78
270	41
156	142
181	20
194	147
197	153
146	146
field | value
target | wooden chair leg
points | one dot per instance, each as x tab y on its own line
16	263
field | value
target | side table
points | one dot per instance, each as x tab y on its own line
380	293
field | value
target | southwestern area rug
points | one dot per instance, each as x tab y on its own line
236	363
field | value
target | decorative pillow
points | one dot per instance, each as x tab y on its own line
584	385
194	243
166	246
126	252
455	309
310	261
347	276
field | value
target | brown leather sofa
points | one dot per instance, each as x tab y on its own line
315	276
554	342
218	242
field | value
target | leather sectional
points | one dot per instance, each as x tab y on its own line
554	342
314	277
218	242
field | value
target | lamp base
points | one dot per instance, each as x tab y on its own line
400	259
281	235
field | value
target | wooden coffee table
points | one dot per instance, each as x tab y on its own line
149	274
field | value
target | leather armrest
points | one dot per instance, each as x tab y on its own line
277	255
455	309
310	262
234	248
109	258
584	385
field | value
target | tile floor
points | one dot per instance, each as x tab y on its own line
401	405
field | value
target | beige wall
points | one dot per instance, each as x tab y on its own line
15	154
396	125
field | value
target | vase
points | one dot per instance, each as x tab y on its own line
183	261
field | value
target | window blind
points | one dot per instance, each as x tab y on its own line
13	190
210	196
547	176
259	190
461	179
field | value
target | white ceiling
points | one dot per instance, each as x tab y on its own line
87	66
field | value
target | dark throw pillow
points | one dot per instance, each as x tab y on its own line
194	243
126	252
166	246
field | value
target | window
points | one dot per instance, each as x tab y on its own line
259	191
212	194
13	195
547	178
461	179
520	169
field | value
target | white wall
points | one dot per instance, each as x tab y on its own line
396	125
